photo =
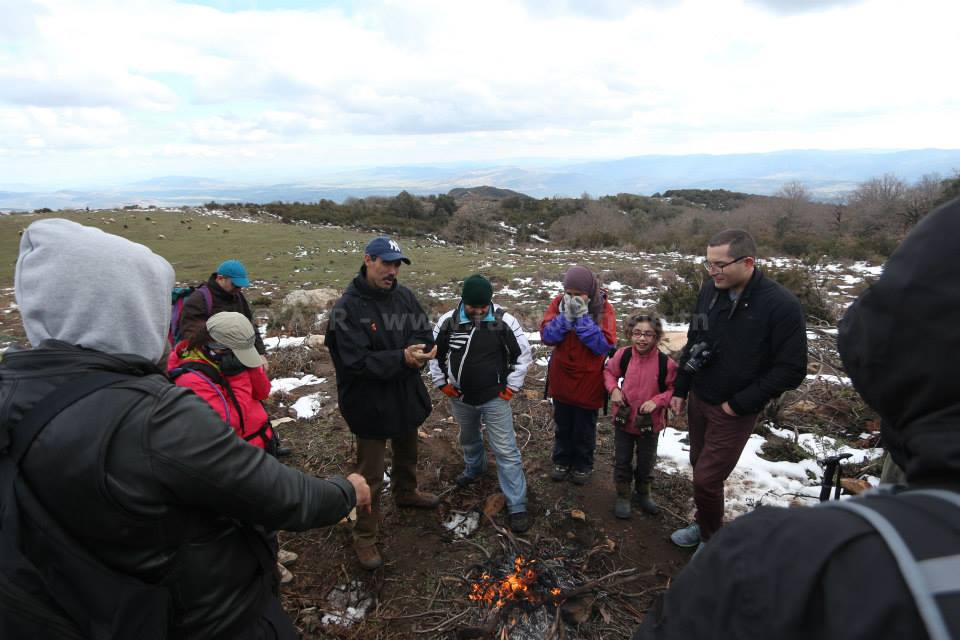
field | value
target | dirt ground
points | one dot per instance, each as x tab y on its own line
426	578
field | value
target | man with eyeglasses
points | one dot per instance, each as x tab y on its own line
746	345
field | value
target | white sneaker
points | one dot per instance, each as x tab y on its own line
286	557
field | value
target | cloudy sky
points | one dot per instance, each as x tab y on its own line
94	92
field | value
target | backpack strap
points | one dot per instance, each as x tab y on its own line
207	297
662	373
926	578
212	376
44	411
625	361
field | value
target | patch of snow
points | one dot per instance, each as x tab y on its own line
282	342
756	481
843	380
462	524
308	406
286	385
347	604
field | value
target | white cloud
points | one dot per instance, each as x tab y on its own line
426	80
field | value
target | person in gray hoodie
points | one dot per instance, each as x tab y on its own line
141	474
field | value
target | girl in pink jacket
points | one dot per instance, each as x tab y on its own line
640	410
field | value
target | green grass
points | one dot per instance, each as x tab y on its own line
272	251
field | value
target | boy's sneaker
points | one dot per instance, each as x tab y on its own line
463	480
581	477
560	472
687	537
285	557
519	522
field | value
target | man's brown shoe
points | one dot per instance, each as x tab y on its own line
418	499
369	557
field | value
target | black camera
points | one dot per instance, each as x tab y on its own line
698	357
622	416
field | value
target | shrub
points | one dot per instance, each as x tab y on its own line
678	300
808	289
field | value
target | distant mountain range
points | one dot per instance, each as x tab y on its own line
826	174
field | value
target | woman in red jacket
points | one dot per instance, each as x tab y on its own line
229	375
580	323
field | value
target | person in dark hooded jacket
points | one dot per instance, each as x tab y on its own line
226	286
380	339
794	574
143	475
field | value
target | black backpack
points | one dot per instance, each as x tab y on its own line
50	586
922	530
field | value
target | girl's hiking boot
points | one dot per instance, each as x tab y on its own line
621	507
641	500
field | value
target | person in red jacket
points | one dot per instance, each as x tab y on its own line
228	374
581	324
639	405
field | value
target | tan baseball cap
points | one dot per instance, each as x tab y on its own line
234	330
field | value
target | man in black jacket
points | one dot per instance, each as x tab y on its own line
142	474
226	286
794	574
747	344
379	339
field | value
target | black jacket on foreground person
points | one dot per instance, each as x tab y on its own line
759	345
174	485
379	395
142	476
824	572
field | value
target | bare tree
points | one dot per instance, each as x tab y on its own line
794	199
920	198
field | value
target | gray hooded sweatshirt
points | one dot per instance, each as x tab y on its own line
94	289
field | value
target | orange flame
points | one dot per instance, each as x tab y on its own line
516	586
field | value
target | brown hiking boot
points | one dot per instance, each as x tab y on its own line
418	499
369	557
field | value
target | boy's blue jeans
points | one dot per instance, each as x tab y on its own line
497	418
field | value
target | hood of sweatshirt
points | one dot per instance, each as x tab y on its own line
86	287
899	342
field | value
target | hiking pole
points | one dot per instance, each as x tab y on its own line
831	466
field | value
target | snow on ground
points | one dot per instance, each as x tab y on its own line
282	342
347	604
286	385
462	524
308	405
757	481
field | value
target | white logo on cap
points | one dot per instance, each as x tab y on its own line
395	246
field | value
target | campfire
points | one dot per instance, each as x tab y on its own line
519	586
